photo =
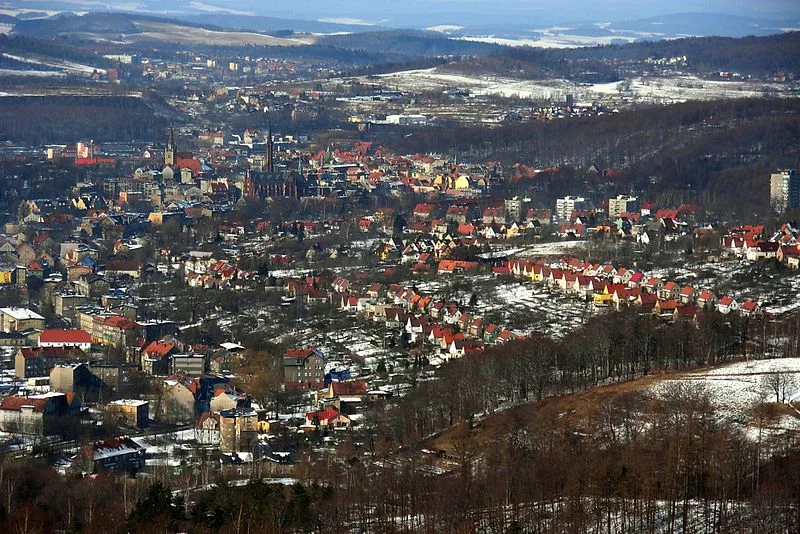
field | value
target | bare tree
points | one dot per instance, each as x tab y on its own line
778	382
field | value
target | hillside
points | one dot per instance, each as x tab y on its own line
742	394
126	28
723	147
756	56
142	29
29	119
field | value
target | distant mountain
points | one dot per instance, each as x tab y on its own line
273	24
97	23
408	43
705	24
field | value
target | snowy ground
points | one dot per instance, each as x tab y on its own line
665	89
431	79
68	66
351	348
524	307
556	248
735	389
680	89
552	38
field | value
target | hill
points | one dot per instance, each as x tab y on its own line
748	56
742	394
29	119
128	28
720	147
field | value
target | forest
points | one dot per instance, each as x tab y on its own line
30	119
755	56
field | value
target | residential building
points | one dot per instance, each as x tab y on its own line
132	412
229	400
18	319
39	361
77	339
206	431
565	206
38	415
303	369
179	397
622	204
65	303
155	358
238	430
120	454
513	209
79	379
190	364
784	190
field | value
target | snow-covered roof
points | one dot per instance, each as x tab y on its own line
128	402
21	314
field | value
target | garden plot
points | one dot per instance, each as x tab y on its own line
528	308
556	248
523	307
351	348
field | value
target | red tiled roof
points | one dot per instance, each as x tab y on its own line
299	353
15	403
356	387
327	415
158	349
65	336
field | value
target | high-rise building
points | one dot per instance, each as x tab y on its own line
565	206
622	204
784	190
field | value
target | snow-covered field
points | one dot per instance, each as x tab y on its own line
664	89
432	79
735	389
552	39
526	307
190	35
680	88
556	248
69	66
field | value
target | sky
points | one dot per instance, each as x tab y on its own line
511	11
424	13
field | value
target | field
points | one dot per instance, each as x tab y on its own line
661	89
156	31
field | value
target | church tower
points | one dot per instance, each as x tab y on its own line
169	151
270	150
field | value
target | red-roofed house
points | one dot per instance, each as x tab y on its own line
686	296
749	307
327	418
423	211
706	300
727	304
37	414
155	358
66	338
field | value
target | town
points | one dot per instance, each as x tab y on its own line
136	306
318	288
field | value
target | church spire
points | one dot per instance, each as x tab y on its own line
270	150
169	151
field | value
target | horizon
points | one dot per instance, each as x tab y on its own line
422	14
